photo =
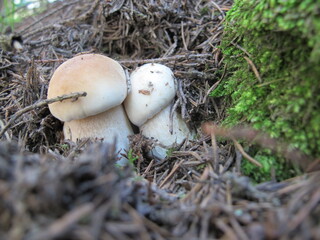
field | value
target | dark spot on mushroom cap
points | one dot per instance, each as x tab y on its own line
144	92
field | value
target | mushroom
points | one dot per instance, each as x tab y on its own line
148	106
100	114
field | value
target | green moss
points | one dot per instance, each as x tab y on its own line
271	164
282	39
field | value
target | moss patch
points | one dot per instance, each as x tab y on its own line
272	48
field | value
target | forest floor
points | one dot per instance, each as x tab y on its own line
51	188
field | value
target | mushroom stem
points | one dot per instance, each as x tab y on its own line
109	126
159	128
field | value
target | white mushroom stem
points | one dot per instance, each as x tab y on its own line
159	127
109	125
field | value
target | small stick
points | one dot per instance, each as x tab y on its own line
219	9
165	59
142	61
249	134
254	68
196	187
40	104
174	169
241	48
183	38
214	86
246	155
211	129
215	162
50	60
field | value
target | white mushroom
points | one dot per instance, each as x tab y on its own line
100	114
148	106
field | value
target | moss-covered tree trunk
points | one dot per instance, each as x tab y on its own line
272	49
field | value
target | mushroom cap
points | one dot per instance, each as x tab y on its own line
101	77
152	89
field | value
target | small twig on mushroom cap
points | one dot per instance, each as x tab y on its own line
40	104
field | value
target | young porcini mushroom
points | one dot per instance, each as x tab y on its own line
148	106
100	114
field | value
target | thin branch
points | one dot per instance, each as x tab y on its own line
241	48
165	59
294	155
215	158
183	38
40	104
174	169
219	9
246	155
254	68
141	61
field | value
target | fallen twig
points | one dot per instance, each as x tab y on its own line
254	68
165	59
246	155
40	104
262	139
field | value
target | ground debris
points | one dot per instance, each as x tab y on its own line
51	188
182	35
84	197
